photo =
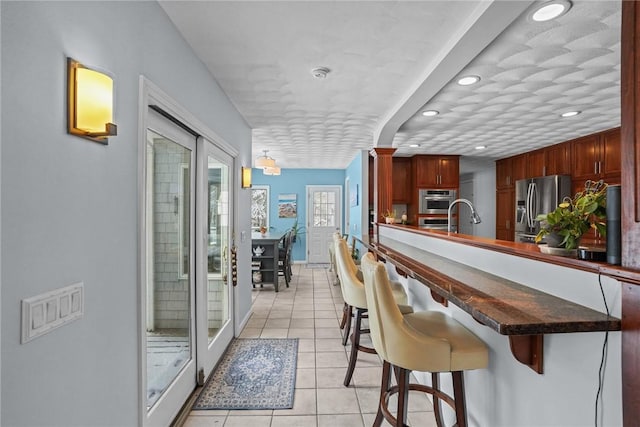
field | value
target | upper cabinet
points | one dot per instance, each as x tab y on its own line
597	157
509	170
402	190
437	171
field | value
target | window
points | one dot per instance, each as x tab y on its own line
259	206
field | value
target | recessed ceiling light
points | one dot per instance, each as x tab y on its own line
570	113
320	72
468	80
430	113
551	10
481	147
414	145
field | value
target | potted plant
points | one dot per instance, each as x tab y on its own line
296	230
389	216
564	226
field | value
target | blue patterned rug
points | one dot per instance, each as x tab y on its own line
253	374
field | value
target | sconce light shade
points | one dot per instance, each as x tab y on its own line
274	171
246	177
90	103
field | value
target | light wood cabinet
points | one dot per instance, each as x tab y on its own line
437	171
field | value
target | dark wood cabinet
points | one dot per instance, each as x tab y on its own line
437	171
505	213
402	189
503	174
518	168
536	164
558	159
597	157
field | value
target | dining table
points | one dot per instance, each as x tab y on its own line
265	257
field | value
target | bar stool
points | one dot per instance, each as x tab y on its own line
424	341
354	296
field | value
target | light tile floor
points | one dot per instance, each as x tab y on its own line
310	309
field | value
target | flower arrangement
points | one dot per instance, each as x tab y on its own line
575	216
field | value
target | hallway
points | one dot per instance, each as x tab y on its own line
310	309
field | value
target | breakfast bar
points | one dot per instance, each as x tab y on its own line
552	315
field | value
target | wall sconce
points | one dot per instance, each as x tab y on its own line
90	103
246	177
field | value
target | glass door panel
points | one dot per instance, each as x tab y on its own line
168	326
218	246
169	344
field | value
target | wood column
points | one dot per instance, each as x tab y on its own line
382	180
630	153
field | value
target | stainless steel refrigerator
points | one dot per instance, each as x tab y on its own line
537	196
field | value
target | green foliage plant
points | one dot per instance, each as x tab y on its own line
575	216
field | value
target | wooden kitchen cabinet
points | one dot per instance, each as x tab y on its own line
437	171
403	190
505	214
597	157
558	159
509	170
536	163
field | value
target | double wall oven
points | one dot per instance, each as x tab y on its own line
434	206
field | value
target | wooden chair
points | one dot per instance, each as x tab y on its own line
284	258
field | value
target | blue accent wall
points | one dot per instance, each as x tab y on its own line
354	173
294	181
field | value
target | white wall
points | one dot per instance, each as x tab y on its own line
507	393
69	206
483	176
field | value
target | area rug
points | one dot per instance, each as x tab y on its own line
253	374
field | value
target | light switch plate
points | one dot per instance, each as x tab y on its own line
43	313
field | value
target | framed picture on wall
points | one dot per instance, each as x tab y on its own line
353	194
287	205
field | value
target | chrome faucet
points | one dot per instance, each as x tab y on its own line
475	218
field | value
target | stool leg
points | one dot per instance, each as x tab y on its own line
344	316
458	397
347	327
403	396
355	344
384	388
437	410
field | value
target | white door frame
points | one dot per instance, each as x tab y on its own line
150	94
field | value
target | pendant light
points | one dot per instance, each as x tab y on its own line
273	171
265	161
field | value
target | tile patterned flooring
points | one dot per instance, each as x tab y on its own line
310	309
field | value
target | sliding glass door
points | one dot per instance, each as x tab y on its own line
187	290
215	299
170	279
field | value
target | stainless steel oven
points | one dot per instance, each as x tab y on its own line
436	201
435	223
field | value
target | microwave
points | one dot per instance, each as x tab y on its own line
436	201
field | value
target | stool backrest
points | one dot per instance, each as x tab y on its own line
393	339
352	287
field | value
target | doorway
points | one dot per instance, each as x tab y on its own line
324	215
187	296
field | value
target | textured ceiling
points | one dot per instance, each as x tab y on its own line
262	54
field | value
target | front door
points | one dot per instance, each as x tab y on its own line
324	214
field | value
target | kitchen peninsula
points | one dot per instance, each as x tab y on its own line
494	286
